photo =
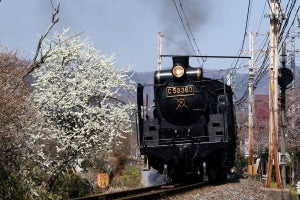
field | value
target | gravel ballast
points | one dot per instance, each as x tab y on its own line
244	189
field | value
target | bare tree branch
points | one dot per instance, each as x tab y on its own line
35	61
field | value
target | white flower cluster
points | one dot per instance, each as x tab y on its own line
78	89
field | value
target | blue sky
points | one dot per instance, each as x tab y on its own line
129	28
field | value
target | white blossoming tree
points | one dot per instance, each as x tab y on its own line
77	91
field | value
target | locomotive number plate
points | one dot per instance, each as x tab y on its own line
180	91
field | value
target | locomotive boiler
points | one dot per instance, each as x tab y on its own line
191	129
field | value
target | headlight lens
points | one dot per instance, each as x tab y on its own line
178	71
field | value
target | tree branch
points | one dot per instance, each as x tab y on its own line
35	62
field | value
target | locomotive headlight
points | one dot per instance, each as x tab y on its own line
178	71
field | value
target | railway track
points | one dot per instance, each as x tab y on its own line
154	192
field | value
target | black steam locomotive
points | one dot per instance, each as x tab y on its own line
192	128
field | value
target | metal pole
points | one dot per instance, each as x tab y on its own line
293	52
283	150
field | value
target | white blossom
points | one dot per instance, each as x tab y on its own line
77	90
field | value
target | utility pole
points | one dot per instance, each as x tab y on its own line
273	96
285	77
293	51
250	107
159	36
282	110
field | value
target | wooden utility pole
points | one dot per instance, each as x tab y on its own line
273	96
250	107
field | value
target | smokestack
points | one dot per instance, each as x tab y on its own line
181	60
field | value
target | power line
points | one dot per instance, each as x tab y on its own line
262	16
184	27
244	37
262	71
177	44
187	27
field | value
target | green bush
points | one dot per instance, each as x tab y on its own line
241	163
71	186
41	192
32	186
131	178
10	186
96	163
